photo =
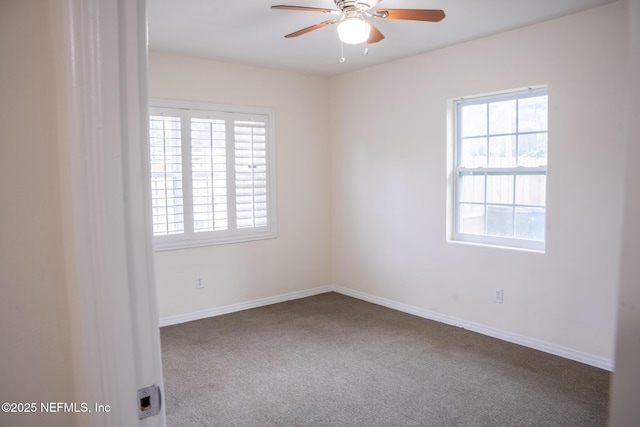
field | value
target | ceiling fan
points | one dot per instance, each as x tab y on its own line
354	19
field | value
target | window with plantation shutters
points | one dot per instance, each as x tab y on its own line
211	174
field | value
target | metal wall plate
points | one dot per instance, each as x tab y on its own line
149	401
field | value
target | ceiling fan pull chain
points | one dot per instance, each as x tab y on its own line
342	58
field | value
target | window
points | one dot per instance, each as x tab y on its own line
500	169
211	174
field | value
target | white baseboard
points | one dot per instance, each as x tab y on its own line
567	353
203	314
536	344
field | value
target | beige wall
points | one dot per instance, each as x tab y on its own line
299	258
389	188
35	353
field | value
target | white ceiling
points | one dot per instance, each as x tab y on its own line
250	32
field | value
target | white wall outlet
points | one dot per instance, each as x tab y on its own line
498	296
199	283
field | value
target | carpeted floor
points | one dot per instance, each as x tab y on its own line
332	360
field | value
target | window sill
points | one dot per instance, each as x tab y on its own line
540	251
172	245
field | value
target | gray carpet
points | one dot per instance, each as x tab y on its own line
332	360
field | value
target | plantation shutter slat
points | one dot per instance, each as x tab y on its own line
166	175
250	173
209	170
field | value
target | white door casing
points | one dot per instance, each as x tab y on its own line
105	61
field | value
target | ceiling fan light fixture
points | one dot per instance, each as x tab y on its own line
354	30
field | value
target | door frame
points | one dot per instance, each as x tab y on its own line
111	265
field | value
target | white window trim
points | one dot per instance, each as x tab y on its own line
208	238
482	239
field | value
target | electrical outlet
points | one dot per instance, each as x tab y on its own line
199	283
498	296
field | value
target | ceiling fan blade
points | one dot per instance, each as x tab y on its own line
374	35
311	28
430	15
306	9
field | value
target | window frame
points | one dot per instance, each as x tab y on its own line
189	238
459	171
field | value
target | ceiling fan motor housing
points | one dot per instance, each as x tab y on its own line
345	5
